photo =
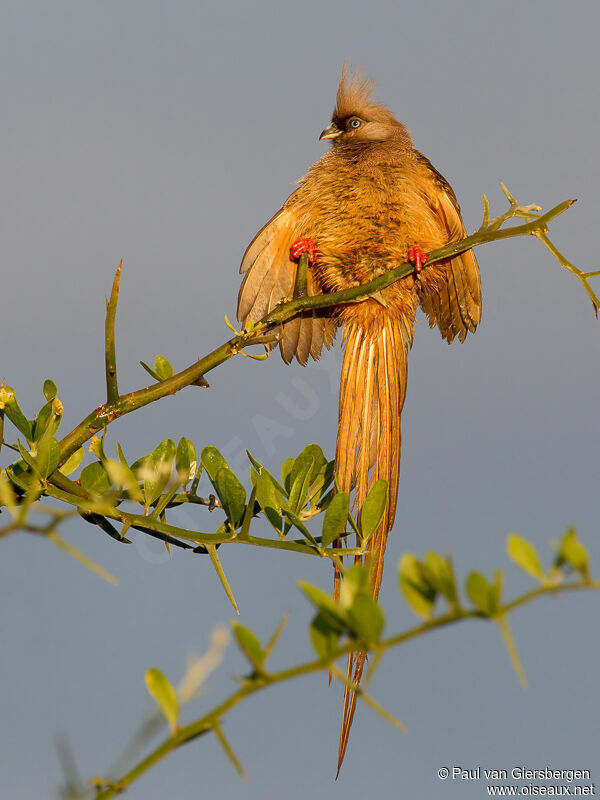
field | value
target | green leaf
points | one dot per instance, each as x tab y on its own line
72	462
122	459
356	581
29	458
373	509
269	499
573	552
8	497
138	466
158	470
48	419
320	484
324	638
163	368
524	554
161	690
311	455
232	495
304	477
48	455
43	457
366	618
320	473
230	491
253	477
42	420
286	469
481	593
439	574
335	519
8	404
94	478
261	468
20	475
130	474
50	389
249	644
212	461
185	461
334	615
301	480
120	474
150	371
352	521
417	591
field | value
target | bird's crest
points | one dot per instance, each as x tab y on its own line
353	94
354	98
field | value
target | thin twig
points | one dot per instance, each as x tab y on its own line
253	684
62	488
110	356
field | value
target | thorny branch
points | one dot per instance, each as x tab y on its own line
265	332
261	679
536	225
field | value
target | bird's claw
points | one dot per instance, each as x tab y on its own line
303	246
417	256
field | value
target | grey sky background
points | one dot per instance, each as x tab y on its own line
166	135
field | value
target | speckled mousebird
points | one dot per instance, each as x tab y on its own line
369	204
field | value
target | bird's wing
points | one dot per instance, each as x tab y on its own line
451	294
270	280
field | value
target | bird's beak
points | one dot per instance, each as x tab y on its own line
331	132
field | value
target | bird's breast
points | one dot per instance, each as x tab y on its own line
363	220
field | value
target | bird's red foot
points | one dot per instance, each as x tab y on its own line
303	246
417	256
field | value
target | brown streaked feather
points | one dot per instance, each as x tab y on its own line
270	279
279	221
269	272
452	300
323	326
289	339
372	392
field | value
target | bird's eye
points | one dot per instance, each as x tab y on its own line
355	123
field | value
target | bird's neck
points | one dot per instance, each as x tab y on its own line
388	150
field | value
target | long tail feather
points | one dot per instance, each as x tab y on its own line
357	662
372	391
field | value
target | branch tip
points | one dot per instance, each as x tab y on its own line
110	358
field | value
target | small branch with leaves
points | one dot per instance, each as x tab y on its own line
106	489
356	623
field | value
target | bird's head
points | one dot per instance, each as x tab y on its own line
357	119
